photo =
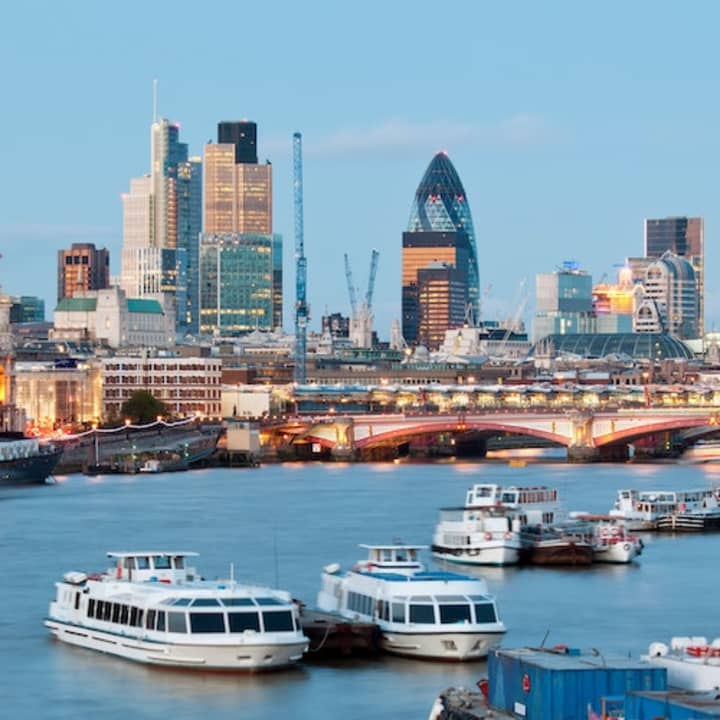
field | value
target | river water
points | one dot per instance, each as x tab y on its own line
278	525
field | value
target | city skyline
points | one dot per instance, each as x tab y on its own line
559	148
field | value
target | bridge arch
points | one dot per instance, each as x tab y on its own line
627	435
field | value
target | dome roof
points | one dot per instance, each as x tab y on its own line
639	346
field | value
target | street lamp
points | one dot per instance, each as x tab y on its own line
95	434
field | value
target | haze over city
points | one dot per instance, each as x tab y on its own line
567	125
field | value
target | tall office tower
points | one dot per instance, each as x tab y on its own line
441	205
82	267
238	224
442	295
670	298
563	302
243	135
683	236
162	216
27	309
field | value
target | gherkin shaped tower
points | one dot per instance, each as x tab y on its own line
441	205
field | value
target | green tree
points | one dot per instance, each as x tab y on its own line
142	407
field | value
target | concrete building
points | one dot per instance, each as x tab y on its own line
109	317
56	393
82	267
186	385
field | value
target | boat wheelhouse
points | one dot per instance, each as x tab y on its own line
152	607
435	615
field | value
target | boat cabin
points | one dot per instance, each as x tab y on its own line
392	558
484	495
169	567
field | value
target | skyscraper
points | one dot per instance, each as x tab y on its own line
563	302
239	255
162	222
82	267
683	236
441	204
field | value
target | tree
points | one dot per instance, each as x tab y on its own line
142	407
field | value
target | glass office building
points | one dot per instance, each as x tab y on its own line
238	275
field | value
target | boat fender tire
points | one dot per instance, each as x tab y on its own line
626	547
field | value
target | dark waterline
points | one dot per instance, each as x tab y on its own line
279	525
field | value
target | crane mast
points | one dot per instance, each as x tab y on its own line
301	307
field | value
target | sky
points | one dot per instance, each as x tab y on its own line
568	123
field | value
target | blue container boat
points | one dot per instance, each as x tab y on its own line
672	705
563	683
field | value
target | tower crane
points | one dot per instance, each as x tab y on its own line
361	317
351	286
301	306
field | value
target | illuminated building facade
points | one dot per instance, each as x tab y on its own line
442	297
82	267
563	302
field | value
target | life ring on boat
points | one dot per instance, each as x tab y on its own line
118	572
626	547
488	536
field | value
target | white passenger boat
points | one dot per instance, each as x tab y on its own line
482	532
611	541
691	662
640	509
436	615
676	511
152	608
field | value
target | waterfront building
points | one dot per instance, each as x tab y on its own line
109	317
161	227
59	392
563	302
240	257
440	229
670	300
82	267
27	309
683	236
186	385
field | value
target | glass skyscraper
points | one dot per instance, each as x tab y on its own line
441	205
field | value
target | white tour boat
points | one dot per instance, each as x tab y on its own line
152	608
676	511
483	532
436	615
691	662
611	541
640	509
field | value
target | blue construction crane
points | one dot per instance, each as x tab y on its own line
301	306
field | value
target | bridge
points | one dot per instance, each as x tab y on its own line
588	435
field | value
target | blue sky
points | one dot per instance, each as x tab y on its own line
568	124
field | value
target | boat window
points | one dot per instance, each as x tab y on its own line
422	614
133	616
400	557
139	619
124	614
179	562
387	555
91	608
161	620
421	598
182	601
278	621
398	612
268	601
161	562
235	602
150	620
129	563
412	554
115	612
479	598
177	622
77	600
207	622
143	562
454	613
205	602
241	621
485	613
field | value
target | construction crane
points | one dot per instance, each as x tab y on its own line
301	306
361	317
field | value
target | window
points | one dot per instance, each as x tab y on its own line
398	612
161	562
207	622
124	614
91	608
179	562
115	612
100	609
241	621
133	616
176	622
267	601
236	602
205	602
161	620
182	601
454	613
143	563
424	614
485	612
278	621
150	620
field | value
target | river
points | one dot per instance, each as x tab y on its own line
278	525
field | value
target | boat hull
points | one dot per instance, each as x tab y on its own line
34	469
560	553
689	673
456	647
237	657
688	522
498	554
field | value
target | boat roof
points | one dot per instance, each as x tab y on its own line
164	553
400	546
424	576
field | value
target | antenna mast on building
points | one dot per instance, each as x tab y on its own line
301	307
155	96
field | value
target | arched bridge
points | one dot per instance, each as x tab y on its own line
588	435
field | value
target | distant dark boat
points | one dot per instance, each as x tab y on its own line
26	460
551	546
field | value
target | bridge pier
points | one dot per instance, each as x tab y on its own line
583	454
